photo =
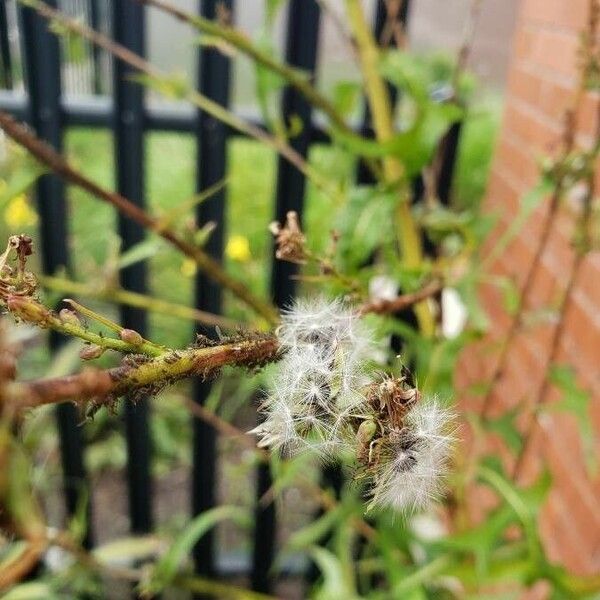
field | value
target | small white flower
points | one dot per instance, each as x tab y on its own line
412	471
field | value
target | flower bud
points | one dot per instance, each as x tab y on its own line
131	337
90	352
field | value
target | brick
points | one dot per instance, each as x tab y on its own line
587	115
541	87
518	160
565	16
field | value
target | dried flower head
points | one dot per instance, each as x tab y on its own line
14	278
289	239
409	464
321	400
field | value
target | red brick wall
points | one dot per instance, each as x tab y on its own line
543	77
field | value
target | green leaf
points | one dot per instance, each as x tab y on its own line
128	549
524	503
346	95
528	204
316	530
366	223
272	7
32	591
20	179
505	426
406	72
335	584
577	401
416	146
139	252
511	295
167	567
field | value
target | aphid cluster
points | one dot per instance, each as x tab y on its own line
321	400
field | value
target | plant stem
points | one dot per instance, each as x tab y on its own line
541	398
57	163
104	386
403	301
32	311
568	139
121	296
381	113
243	44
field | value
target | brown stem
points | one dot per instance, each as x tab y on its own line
103	386
380	307
467	43
17	569
57	163
243	44
522	306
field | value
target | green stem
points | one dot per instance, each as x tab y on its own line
214	109
31	311
121	296
104	386
394	173
243	44
46	155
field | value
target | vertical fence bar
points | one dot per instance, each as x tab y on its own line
211	136
301	51
95	50
128	30
448	162
42	65
5	54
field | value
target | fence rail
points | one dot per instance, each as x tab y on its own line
40	98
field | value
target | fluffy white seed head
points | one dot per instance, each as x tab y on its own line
414	463
318	382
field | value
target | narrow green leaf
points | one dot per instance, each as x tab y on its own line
167	567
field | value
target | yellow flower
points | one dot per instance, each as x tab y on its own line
19	213
188	267
238	248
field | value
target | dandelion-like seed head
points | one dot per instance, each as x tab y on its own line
319	379
319	400
410	468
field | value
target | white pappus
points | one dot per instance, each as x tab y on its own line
318	382
414	461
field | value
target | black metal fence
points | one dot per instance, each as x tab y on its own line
32	68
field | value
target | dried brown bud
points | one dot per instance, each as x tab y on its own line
393	397
90	352
290	241
27	309
131	337
68	316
